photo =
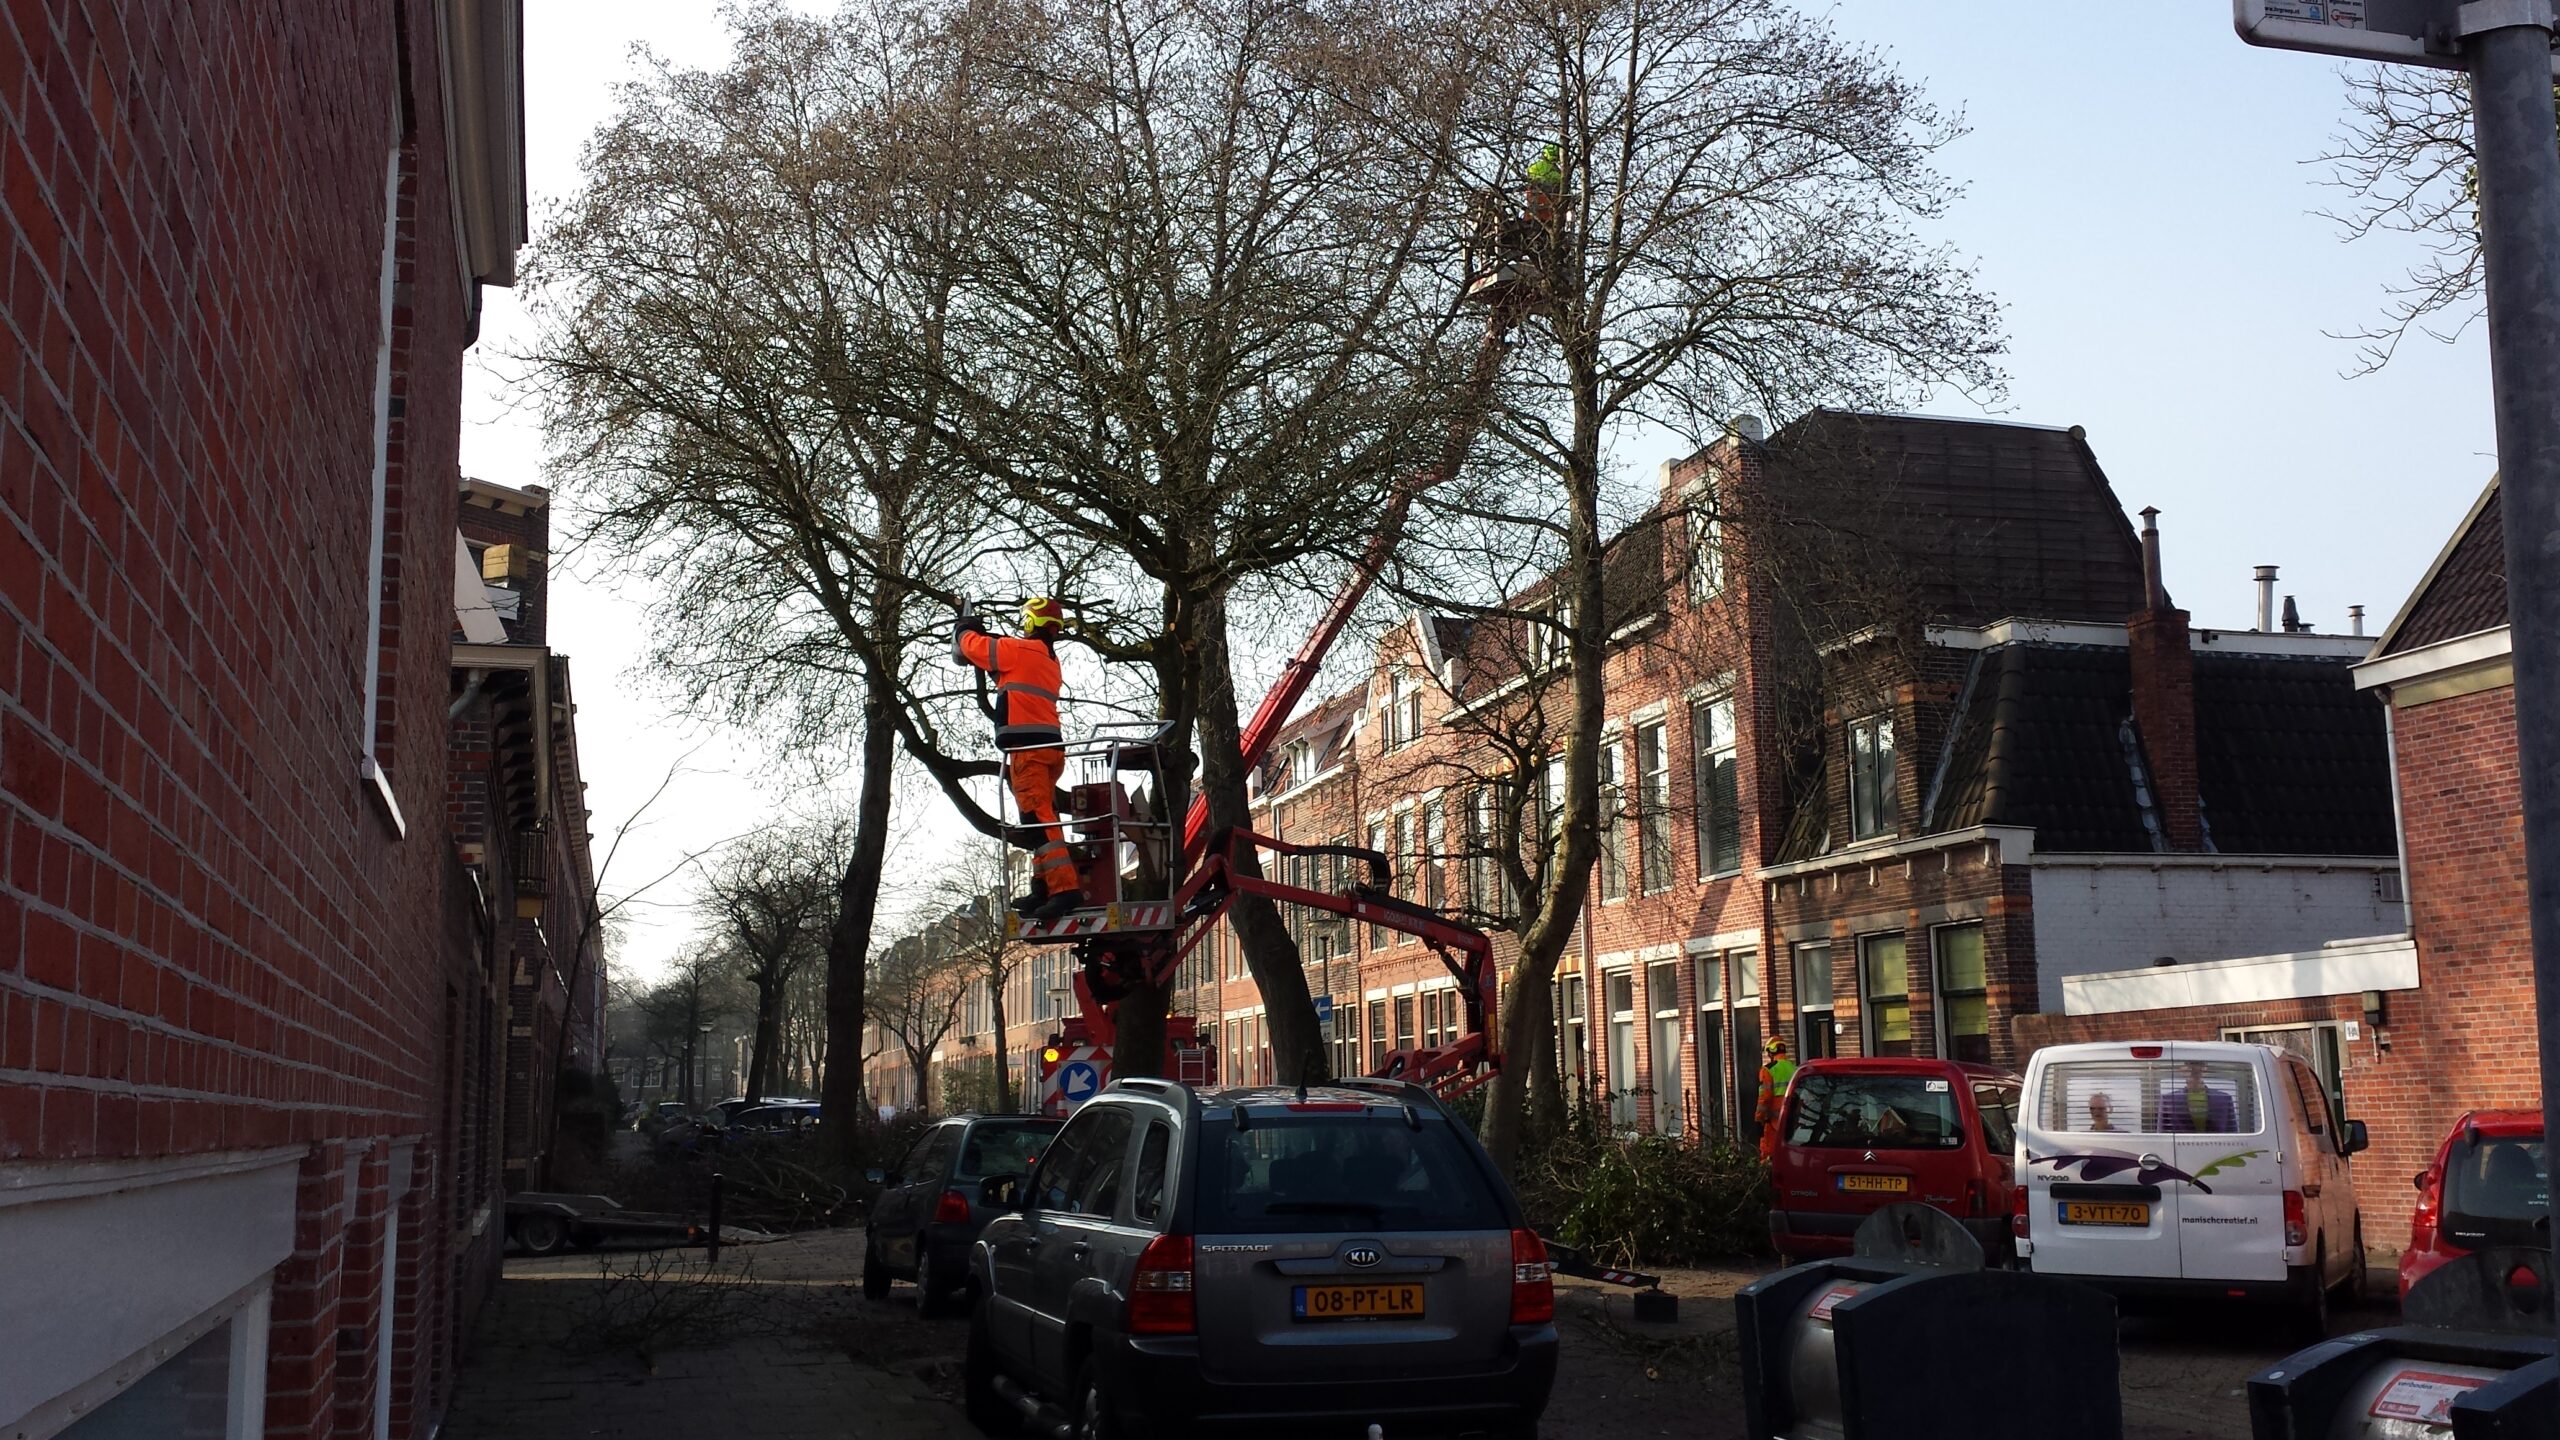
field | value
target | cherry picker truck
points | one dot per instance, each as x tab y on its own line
1153	894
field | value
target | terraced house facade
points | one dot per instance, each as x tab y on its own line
1878	796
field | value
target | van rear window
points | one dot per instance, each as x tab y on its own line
2150	1097
1365	1170
1841	1110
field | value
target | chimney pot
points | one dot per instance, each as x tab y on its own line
2154	596
1750	428
2266	577
2294	624
2355	620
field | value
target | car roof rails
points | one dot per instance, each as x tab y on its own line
1157	1085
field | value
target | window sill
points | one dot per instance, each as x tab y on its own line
377	783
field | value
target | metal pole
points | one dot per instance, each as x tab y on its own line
2519	172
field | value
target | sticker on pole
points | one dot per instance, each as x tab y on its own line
2387	30
1831	1298
2423	1395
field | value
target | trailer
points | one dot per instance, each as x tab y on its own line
542	1223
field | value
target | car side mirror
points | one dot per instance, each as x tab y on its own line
876	1175
1004	1192
2419	1180
2357	1138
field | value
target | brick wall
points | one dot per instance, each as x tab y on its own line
212	937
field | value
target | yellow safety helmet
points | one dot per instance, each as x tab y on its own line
1040	610
1777	1045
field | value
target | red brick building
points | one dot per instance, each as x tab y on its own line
1891	822
2434	1016
247	1176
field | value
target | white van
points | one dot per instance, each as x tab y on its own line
2184	1167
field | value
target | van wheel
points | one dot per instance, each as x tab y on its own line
2315	1311
2358	1292
986	1409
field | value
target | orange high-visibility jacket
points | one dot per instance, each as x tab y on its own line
1026	676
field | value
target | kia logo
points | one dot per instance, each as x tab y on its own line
1362	1255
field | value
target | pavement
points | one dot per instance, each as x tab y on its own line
776	1342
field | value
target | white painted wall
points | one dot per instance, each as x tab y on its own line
2123	914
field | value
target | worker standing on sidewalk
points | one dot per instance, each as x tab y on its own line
1777	1072
1025	672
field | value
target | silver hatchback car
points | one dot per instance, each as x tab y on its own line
1309	1261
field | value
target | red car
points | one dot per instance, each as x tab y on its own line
1858	1135
2490	1185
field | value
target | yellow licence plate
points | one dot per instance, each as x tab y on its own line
2095	1212
1877	1184
1358	1302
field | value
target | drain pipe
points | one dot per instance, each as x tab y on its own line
470	691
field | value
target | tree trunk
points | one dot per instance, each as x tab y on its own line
840	1106
920	1064
1568	877
1297	1041
995	1018
768	1038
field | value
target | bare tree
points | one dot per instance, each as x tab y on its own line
1194	325
715	304
918	984
973	887
697	994
1733	231
2406	163
771	899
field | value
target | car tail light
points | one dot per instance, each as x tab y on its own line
2424	1219
2297	1222
951	1209
2018	1212
1160	1295
1533	1280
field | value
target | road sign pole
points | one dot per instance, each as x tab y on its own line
2519	172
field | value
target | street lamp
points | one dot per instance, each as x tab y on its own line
705	1087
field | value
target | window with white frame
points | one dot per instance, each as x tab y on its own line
1742	972
1815	1039
1404	709
1706	551
1548	646
1573	1037
1964	1005
1884	993
1874	806
1653	805
1435	850
1662	997
1618	989
1406	861
1378	842
1719	787
1613	830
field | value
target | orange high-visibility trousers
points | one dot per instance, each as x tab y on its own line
1033	774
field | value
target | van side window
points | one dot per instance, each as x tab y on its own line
2315	1103
1999	1107
1063	1166
1096	1191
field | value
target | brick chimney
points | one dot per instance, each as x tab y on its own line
2164	699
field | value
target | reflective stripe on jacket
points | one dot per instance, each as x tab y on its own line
1027	681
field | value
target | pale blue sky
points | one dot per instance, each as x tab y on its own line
2137	196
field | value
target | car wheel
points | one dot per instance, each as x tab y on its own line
2315	1311
1094	1417
2359	1287
541	1234
986	1409
933	1293
875	1271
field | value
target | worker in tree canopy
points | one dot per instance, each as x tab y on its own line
1546	185
1777	1072
1026	678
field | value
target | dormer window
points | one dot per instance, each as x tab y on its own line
1403	721
1548	647
1875	808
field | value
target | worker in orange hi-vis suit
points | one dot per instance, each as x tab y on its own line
1026	678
